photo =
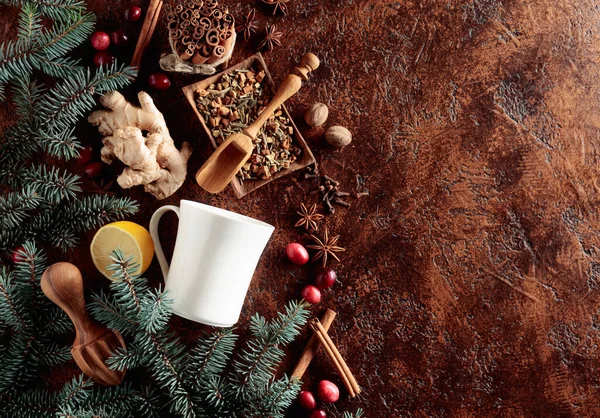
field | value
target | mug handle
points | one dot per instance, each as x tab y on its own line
160	255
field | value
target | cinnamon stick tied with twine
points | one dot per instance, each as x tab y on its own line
336	358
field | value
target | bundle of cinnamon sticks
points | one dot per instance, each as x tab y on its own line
200	31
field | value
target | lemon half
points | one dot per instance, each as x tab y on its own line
133	239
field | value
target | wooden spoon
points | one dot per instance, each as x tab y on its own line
94	343
232	154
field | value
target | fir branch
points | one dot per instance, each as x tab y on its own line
14	59
278	397
12	306
165	367
75	392
107	311
254	367
18	144
28	271
15	207
55	9
111	78
62	67
114	401
27	404
53	184
19	365
211	355
93	211
123	359
51	354
63	145
151	403
56	321
155	311
65	35
30	23
358	414
126	283
26	94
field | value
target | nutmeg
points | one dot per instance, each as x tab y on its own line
316	115
338	136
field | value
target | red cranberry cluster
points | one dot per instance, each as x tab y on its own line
327	392
324	279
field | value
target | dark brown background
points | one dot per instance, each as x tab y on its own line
470	285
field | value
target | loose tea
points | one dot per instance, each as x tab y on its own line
232	103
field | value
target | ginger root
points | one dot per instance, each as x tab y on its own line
152	161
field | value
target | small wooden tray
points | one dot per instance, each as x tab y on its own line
242	188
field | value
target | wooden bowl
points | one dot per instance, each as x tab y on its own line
242	188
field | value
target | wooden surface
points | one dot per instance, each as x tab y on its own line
471	282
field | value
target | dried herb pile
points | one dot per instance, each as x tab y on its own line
233	103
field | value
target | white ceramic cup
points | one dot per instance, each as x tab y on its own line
216	252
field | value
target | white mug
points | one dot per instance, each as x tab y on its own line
216	252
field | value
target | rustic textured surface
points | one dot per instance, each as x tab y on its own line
471	282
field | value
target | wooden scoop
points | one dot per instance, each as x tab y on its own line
232	154
94	343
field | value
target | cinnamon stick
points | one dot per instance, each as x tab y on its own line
335	361
345	370
147	30
311	348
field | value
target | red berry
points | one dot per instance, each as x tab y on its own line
307	400
85	154
17	256
328	391
297	253
103	58
132	13
95	169
100	41
325	277
319	413
119	38
311	294
159	81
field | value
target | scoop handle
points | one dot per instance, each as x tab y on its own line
289	86
62	284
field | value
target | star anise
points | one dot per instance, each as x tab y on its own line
101	188
309	217
325	247
248	26
279	4
272	38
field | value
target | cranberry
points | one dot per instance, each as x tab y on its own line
328	391
307	400
119	38
93	170
17	256
85	154
325	277
319	413
159	81
297	253
311	294
132	13
103	58
100	41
